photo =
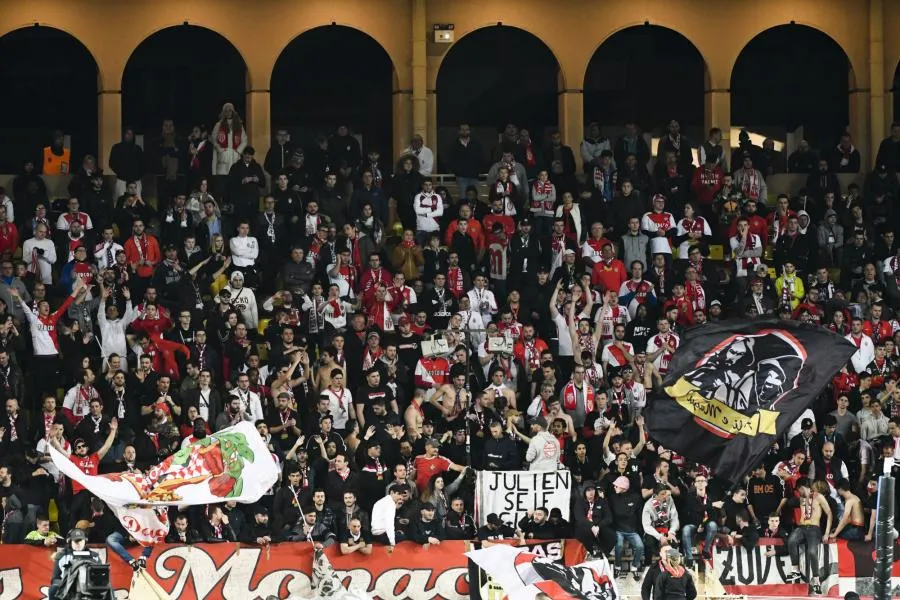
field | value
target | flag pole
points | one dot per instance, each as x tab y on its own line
884	534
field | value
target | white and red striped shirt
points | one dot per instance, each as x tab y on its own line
43	329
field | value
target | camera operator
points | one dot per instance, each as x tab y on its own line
75	551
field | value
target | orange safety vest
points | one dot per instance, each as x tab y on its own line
56	165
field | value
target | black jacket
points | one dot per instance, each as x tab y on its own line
466	161
420	531
459	526
697	512
501	455
126	159
535	531
626	509
190	537
675	584
246	194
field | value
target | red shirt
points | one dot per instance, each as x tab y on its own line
426	468
89	465
609	276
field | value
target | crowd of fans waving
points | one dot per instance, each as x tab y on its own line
388	338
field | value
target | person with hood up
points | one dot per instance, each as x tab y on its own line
126	160
593	521
674	582
241	299
229	138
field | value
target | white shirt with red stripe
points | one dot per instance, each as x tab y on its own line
43	329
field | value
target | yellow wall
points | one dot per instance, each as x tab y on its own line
572	30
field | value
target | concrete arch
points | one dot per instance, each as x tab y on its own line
159	30
71	33
633	24
856	68
338	27
435	67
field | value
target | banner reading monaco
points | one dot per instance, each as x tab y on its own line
511	494
229	572
232	464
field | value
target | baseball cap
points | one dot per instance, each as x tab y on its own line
525	221
569	251
715	303
373	334
427	506
494	520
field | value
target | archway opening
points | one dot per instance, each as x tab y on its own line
184	73
646	75
49	82
331	76
494	76
791	76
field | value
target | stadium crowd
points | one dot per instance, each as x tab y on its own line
387	338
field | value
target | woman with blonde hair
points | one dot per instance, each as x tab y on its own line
228	138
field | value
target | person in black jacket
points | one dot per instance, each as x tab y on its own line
495	529
426	529
535	525
215	528
674	582
500	452
593	521
126	160
654	571
626	507
259	530
246	180
458	525
466	158
182	532
700	515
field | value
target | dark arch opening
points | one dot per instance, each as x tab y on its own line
895	88
647	75
788	76
330	76
184	73
494	76
49	82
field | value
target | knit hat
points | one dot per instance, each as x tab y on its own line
622	482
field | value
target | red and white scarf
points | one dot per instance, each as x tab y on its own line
223	136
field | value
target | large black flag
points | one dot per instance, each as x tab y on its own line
734	387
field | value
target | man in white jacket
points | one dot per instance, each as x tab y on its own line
39	253
241	299
244	252
423	153
112	328
429	207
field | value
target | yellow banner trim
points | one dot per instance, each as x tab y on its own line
720	415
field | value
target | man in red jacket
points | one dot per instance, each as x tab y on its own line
609	272
9	235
